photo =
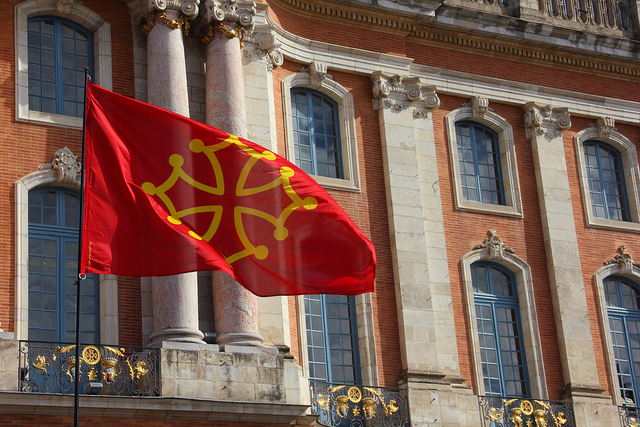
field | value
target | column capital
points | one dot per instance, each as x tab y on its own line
239	12
399	93
264	47
545	120
143	12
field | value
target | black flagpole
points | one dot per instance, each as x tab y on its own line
81	277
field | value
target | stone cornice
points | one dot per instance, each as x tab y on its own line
527	41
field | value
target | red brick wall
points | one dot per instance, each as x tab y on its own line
368	211
25	146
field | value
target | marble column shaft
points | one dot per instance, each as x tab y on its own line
235	308
175	298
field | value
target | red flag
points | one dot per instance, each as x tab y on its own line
166	195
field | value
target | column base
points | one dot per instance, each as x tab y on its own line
244	342
177	335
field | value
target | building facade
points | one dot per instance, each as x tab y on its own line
487	148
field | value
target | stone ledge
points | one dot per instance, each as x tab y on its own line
155	407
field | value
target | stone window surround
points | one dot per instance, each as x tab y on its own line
346	119
605	330
631	178
366	341
101	30
108	284
513	206
530	332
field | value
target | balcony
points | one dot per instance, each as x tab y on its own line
106	370
354	405
629	416
496	411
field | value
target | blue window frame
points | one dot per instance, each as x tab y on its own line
504	367
58	52
53	265
332	340
606	181
316	136
479	160
623	309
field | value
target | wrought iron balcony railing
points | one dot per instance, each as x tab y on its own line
496	411
354	405
47	367
629	416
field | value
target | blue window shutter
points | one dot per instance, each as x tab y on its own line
479	162
316	133
502	350
59	50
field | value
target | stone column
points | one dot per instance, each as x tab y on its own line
234	307
425	316
544	126
175	298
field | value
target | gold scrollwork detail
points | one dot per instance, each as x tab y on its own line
140	370
91	354
182	21
148	25
526	407
66	349
40	364
323	401
633	422
354	394
343	406
369	407
238	31
496	414
92	374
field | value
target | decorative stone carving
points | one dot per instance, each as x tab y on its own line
240	12
398	93
317	73
545	120
142	13
65	165
265	47
623	260
493	243
479	105
63	7
606	125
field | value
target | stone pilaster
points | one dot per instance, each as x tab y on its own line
234	307
544	126
175	298
427	332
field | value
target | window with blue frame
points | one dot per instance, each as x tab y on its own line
53	268
623	309
332	340
479	160
316	133
495	296
606	181
58	52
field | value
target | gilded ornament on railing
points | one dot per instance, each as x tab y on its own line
51	368
526	413
359	405
40	363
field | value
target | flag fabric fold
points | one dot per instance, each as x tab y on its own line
167	195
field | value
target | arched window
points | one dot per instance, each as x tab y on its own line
606	181
53	267
59	50
495	296
332	340
479	157
316	137
623	310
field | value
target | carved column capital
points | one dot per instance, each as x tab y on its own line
545	120
65	165
63	7
264	46
399	93
143	13
239	12
606	125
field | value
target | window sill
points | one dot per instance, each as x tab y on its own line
51	119
614	225
336	183
489	208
